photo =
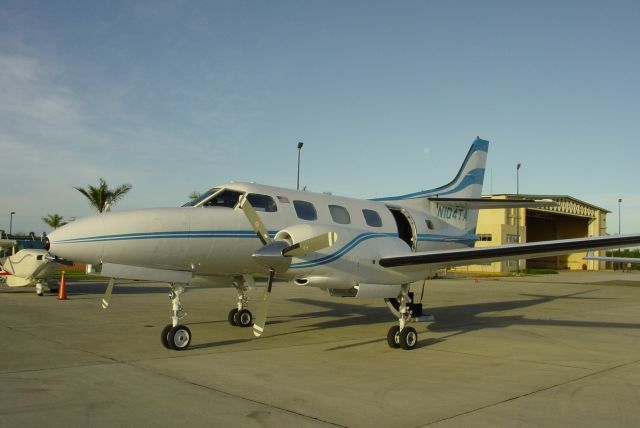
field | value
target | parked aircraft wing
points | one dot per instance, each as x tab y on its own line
590	256
465	256
485	203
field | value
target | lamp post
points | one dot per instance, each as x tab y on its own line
300	144
619	215
11	224
518	212
619	223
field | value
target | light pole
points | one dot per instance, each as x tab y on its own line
619	216
619	227
11	224
300	144
518	212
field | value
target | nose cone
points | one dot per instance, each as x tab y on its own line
79	240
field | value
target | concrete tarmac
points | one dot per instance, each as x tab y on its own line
537	351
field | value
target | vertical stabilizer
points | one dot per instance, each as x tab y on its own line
466	184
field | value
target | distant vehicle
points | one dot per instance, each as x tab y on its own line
28	268
238	232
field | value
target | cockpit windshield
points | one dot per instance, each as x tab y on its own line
216	197
203	197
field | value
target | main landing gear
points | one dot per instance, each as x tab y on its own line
241	316
403	335
176	336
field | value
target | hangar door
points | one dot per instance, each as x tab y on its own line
544	226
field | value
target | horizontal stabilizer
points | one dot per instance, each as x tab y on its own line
486	203
465	256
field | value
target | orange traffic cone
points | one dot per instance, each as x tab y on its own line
62	290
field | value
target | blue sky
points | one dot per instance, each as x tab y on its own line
176	96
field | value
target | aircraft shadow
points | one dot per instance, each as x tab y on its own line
457	319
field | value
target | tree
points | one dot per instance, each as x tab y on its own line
54	220
194	195
101	197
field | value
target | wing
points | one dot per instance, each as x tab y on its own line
590	256
466	256
486	203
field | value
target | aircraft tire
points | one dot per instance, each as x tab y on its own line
393	337
232	317
408	338
243	318
179	337
164	336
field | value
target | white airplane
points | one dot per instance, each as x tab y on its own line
28	267
238	232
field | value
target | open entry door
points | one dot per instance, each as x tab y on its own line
406	226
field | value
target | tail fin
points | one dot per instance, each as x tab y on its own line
466	184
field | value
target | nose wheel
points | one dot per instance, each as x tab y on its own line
240	318
176	336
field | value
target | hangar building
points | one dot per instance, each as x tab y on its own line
571	218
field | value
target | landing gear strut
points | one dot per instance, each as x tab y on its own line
402	335
176	336
241	316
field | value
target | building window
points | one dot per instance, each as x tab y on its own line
372	218
339	214
485	237
512	239
305	210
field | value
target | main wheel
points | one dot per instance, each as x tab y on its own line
164	336
393	337
232	317
179	337
243	318
408	338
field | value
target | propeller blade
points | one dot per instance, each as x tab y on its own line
310	245
261	318
107	294
255	221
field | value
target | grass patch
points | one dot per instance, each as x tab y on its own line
534	271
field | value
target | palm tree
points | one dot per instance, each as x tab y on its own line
54	220
101	197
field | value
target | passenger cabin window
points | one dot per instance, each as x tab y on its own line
263	203
305	210
372	218
339	214
226	198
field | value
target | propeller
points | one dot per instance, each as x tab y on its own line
107	294
276	255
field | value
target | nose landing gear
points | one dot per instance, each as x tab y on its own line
176	336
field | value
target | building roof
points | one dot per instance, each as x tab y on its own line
552	197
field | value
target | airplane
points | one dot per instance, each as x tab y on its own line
28	267
237	233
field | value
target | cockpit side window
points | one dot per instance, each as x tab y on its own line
263	203
227	199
